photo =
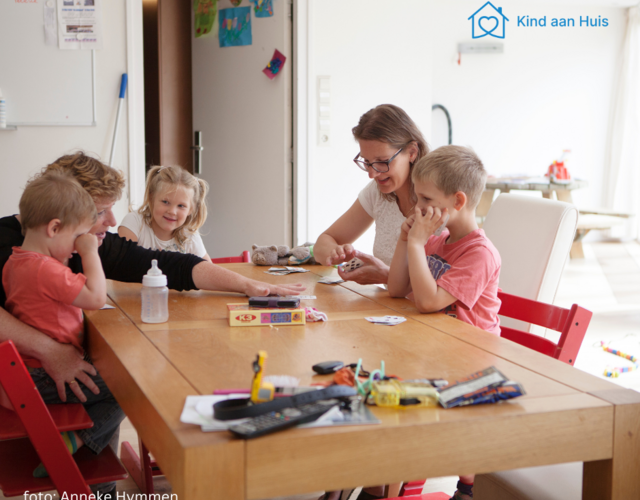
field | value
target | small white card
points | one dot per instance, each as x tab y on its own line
328	280
386	320
302	297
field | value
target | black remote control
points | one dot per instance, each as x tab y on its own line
282	419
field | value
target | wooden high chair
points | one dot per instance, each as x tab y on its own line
30	434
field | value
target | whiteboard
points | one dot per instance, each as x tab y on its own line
42	84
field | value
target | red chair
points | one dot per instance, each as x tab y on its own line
571	323
243	257
31	435
143	471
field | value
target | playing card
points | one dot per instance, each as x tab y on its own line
328	280
386	320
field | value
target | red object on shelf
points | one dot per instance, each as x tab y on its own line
557	171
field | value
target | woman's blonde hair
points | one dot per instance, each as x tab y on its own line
391	124
159	177
98	179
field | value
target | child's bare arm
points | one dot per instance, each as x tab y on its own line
428	296
399	284
94	292
127	233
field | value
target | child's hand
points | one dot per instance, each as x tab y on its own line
86	244
426	225
340	254
406	227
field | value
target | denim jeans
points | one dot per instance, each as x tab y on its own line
103	409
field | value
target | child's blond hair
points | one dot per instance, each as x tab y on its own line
160	177
453	169
55	195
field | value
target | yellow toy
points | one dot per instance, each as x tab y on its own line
260	392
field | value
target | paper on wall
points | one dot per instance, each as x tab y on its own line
50	27
80	24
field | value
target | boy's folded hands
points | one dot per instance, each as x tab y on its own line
424	226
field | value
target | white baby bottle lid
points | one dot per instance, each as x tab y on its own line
154	276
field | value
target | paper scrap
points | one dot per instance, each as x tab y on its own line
275	65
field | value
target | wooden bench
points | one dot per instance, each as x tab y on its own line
595	219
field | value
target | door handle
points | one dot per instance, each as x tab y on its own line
197	150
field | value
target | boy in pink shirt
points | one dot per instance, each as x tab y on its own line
459	275
56	214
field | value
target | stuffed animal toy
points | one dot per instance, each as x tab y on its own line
270	256
302	255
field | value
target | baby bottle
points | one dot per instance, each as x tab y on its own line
155	296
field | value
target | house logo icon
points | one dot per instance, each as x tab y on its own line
488	20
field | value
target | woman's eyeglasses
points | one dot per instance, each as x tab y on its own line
378	166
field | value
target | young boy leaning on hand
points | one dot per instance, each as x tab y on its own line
456	272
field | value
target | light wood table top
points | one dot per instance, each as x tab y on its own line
566	415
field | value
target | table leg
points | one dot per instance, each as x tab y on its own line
618	478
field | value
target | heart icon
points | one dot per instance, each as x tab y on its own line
488	21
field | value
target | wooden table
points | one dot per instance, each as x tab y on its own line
567	415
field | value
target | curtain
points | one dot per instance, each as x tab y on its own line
622	174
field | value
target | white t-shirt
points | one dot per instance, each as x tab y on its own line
148	239
388	219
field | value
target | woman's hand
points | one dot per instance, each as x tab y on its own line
340	254
65	366
262	289
372	272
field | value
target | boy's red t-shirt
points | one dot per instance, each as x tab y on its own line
469	270
40	292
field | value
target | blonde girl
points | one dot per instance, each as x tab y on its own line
174	209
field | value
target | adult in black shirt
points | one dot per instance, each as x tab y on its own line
122	260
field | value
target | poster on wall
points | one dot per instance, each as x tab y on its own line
205	15
79	24
262	8
235	27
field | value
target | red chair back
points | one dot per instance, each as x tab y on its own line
243	257
571	323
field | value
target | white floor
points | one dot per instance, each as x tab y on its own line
606	282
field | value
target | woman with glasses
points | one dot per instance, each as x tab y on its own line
390	143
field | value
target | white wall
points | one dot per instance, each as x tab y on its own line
375	53
551	90
25	151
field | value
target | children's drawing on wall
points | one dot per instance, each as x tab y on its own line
263	8
235	3
205	14
275	65
235	27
